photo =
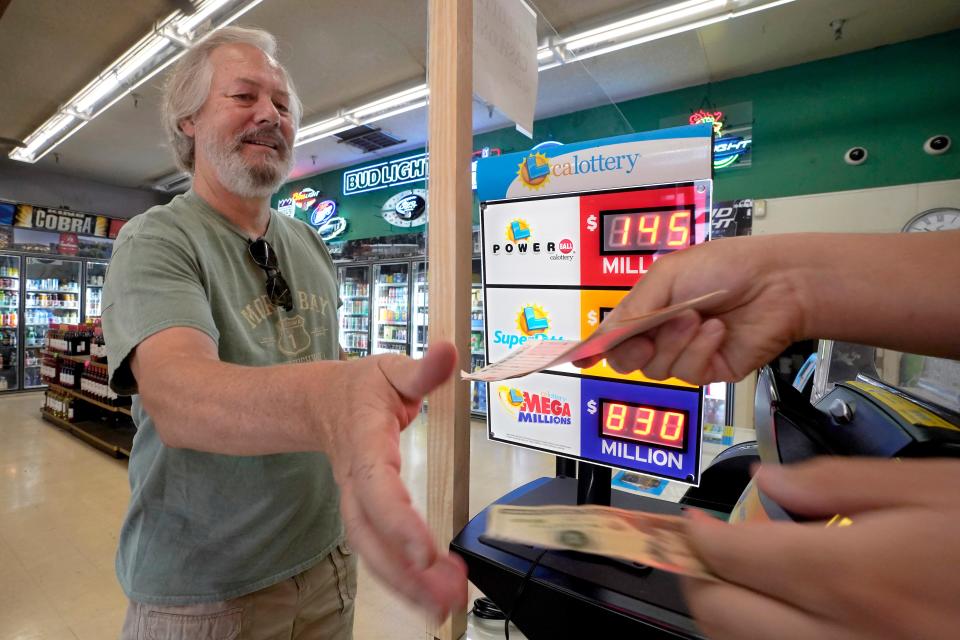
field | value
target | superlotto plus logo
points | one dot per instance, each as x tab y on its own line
535	408
520	241
533	323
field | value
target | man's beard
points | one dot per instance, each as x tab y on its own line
237	175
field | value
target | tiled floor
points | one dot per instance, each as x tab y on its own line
62	502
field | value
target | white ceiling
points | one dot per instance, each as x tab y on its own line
345	53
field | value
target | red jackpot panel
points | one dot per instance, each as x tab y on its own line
622	233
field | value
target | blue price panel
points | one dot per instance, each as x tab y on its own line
651	429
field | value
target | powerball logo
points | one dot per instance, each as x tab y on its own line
534	171
533	323
534	407
520	242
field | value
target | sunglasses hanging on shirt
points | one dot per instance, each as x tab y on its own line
278	291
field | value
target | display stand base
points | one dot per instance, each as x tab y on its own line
572	594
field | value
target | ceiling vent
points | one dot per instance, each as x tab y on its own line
367	138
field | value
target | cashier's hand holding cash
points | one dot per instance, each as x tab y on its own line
893	572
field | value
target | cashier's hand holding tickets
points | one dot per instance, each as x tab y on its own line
893	572
753	323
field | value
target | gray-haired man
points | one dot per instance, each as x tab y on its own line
221	316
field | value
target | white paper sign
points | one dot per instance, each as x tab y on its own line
505	58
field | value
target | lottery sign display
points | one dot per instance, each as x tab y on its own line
555	263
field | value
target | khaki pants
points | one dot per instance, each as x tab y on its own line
314	605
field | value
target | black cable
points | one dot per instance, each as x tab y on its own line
485	609
516	598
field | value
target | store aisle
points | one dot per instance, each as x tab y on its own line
61	504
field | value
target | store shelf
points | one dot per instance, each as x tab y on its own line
9	289
395	324
354	297
392	284
66	356
392	341
76	291
86	398
114	440
357	315
354	330
48	308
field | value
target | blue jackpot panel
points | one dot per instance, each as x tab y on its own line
681	462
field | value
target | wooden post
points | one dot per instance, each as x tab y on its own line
449	250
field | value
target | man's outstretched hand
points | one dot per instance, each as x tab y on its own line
382	395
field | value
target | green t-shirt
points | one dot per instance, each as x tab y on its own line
205	527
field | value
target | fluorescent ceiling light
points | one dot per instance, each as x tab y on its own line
381	109
397	99
642	22
660	23
322	129
749	10
651	37
395	112
150	55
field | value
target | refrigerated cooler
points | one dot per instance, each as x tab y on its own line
355	310
51	296
399	322
9	322
391	308
95	273
478	390
421	310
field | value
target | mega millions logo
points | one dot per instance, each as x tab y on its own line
536	408
534	171
533	323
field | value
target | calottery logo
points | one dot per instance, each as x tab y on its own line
533	323
518	231
536	408
534	171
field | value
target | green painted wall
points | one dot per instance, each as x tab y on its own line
888	99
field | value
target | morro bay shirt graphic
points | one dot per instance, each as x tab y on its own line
293	335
